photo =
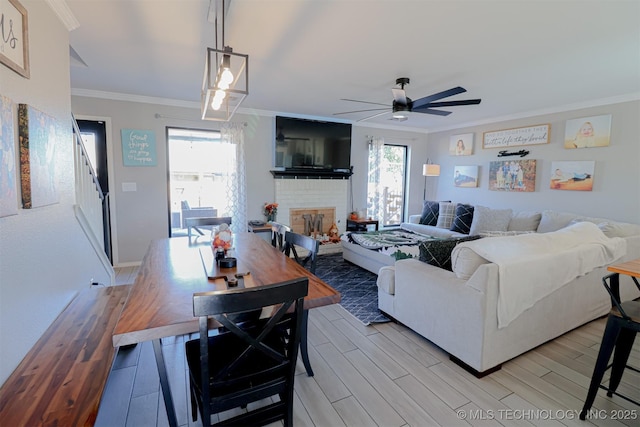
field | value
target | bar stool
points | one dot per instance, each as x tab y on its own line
623	323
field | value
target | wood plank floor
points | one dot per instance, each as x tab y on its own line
387	375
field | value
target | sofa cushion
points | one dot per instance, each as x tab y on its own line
524	221
445	214
487	219
611	228
430	212
462	219
465	262
438	252
554	221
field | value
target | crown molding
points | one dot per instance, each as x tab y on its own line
266	113
64	13
552	110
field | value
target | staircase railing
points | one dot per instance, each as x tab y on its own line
91	206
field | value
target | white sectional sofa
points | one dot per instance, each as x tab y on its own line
459	310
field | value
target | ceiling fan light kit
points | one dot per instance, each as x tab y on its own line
226	76
402	103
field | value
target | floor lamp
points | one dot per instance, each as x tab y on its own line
429	169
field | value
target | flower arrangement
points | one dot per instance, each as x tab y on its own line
270	210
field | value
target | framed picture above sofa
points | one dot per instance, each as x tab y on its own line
512	175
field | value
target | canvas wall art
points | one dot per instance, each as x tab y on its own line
465	176
569	175
512	175
588	132
461	145
138	147
8	174
37	134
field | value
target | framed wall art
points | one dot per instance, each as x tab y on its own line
461	145
512	175
138	147
572	175
14	40
465	176
587	132
8	174
516	137
37	134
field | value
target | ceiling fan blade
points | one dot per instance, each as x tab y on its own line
399	95
359	111
365	102
444	94
451	103
374	116
428	110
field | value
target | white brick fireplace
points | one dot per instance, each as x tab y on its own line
309	193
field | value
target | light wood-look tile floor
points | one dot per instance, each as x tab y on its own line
386	375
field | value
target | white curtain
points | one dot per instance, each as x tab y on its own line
375	207
236	182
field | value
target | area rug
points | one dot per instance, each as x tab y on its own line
356	285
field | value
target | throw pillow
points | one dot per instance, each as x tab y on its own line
462	218
445	214
430	212
486	219
553	221
438	252
524	221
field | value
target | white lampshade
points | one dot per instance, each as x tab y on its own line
429	169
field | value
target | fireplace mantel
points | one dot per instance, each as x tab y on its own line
311	173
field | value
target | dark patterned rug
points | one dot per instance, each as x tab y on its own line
356	285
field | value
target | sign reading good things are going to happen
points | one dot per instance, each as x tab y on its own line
138	148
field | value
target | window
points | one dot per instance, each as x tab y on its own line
386	185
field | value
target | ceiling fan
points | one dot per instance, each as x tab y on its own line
402	103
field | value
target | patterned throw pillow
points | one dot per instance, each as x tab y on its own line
462	219
438	252
430	212
445	214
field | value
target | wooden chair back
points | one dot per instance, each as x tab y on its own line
246	361
295	241
277	235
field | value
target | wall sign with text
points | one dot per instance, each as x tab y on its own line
14	37
530	135
138	148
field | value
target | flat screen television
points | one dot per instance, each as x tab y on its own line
312	144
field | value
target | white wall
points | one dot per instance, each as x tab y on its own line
142	216
44	256
616	191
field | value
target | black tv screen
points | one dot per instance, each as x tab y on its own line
312	144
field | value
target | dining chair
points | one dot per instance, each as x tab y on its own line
294	242
278	231
198	222
246	361
623	323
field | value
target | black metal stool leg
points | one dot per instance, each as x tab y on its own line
304	353
620	357
606	348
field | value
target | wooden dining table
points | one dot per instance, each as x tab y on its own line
160	303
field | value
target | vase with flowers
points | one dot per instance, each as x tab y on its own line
270	211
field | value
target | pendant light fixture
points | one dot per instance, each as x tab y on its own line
226	73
